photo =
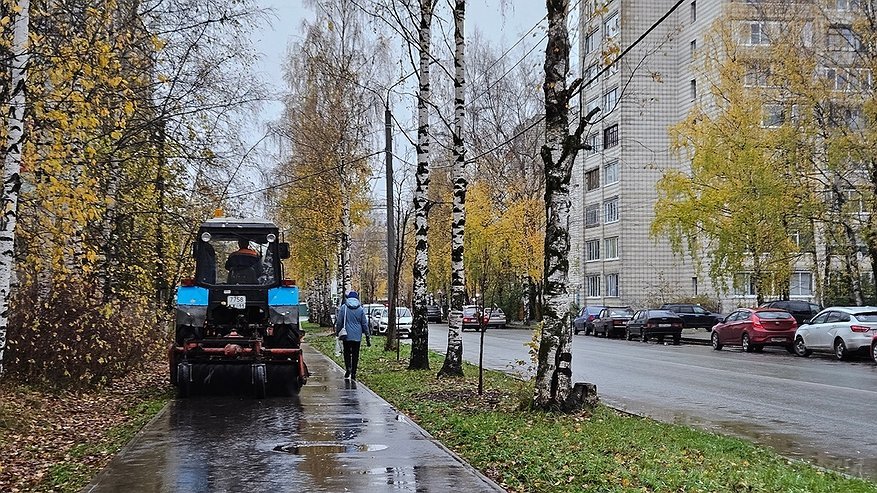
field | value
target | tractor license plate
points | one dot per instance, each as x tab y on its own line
239	302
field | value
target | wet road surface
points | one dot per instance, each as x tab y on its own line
814	408
335	436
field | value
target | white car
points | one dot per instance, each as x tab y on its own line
842	330
372	314
404	319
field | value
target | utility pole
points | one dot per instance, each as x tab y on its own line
391	227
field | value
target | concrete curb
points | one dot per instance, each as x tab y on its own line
489	482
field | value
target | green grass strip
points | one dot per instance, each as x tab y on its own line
604	451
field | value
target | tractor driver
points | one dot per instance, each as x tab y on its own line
243	265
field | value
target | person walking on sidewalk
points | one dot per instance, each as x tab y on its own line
350	325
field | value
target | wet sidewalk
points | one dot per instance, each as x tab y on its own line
335	436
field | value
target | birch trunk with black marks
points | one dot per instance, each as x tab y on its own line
345	280
12	164
554	390
453	365
419	327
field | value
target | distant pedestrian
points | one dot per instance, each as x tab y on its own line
350	325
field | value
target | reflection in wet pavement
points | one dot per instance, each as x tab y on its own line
335	436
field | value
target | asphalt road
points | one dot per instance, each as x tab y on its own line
814	408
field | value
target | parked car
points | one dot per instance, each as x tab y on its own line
654	323
612	321
584	322
754	328
801	310
693	316
841	329
470	321
404	319
373	315
874	349
433	313
496	318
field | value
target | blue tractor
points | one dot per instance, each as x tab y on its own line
237	320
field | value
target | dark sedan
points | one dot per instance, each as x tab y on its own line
646	324
584	322
612	321
433	313
801	310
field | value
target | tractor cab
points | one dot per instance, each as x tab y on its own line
238	309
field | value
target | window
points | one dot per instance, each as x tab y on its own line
592	250
757	76
609	100
854	201
595	144
842	38
755	33
693	48
592	179
592	286
610	248
773	116
694	284
590	75
693	89
610	210
592	105
694	11
591	41
801	284
744	285
610	137
592	215
847	4
612	285
611	26
610	172
613	69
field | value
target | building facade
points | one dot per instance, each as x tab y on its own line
613	258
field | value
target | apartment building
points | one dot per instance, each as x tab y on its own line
613	258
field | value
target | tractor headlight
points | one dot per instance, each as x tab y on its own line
205	236
270	237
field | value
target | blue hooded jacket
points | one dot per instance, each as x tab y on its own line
357	323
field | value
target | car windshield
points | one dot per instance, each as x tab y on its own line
237	259
496	312
773	315
867	317
620	312
403	312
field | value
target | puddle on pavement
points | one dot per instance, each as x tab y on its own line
316	448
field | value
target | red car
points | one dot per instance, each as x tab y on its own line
755	328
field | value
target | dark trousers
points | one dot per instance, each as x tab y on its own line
351	356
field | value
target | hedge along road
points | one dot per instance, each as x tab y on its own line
814	408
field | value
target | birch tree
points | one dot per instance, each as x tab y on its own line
12	164
453	365
420	327
553	386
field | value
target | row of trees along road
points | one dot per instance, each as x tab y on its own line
125	142
782	147
489	154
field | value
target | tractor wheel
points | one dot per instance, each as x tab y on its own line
184	380
260	381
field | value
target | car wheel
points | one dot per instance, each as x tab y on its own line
746	343
574	331
801	348
628	335
874	351
840	349
643	337
717	345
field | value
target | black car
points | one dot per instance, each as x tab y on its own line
611	321
693	316
801	310
433	313
654	323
